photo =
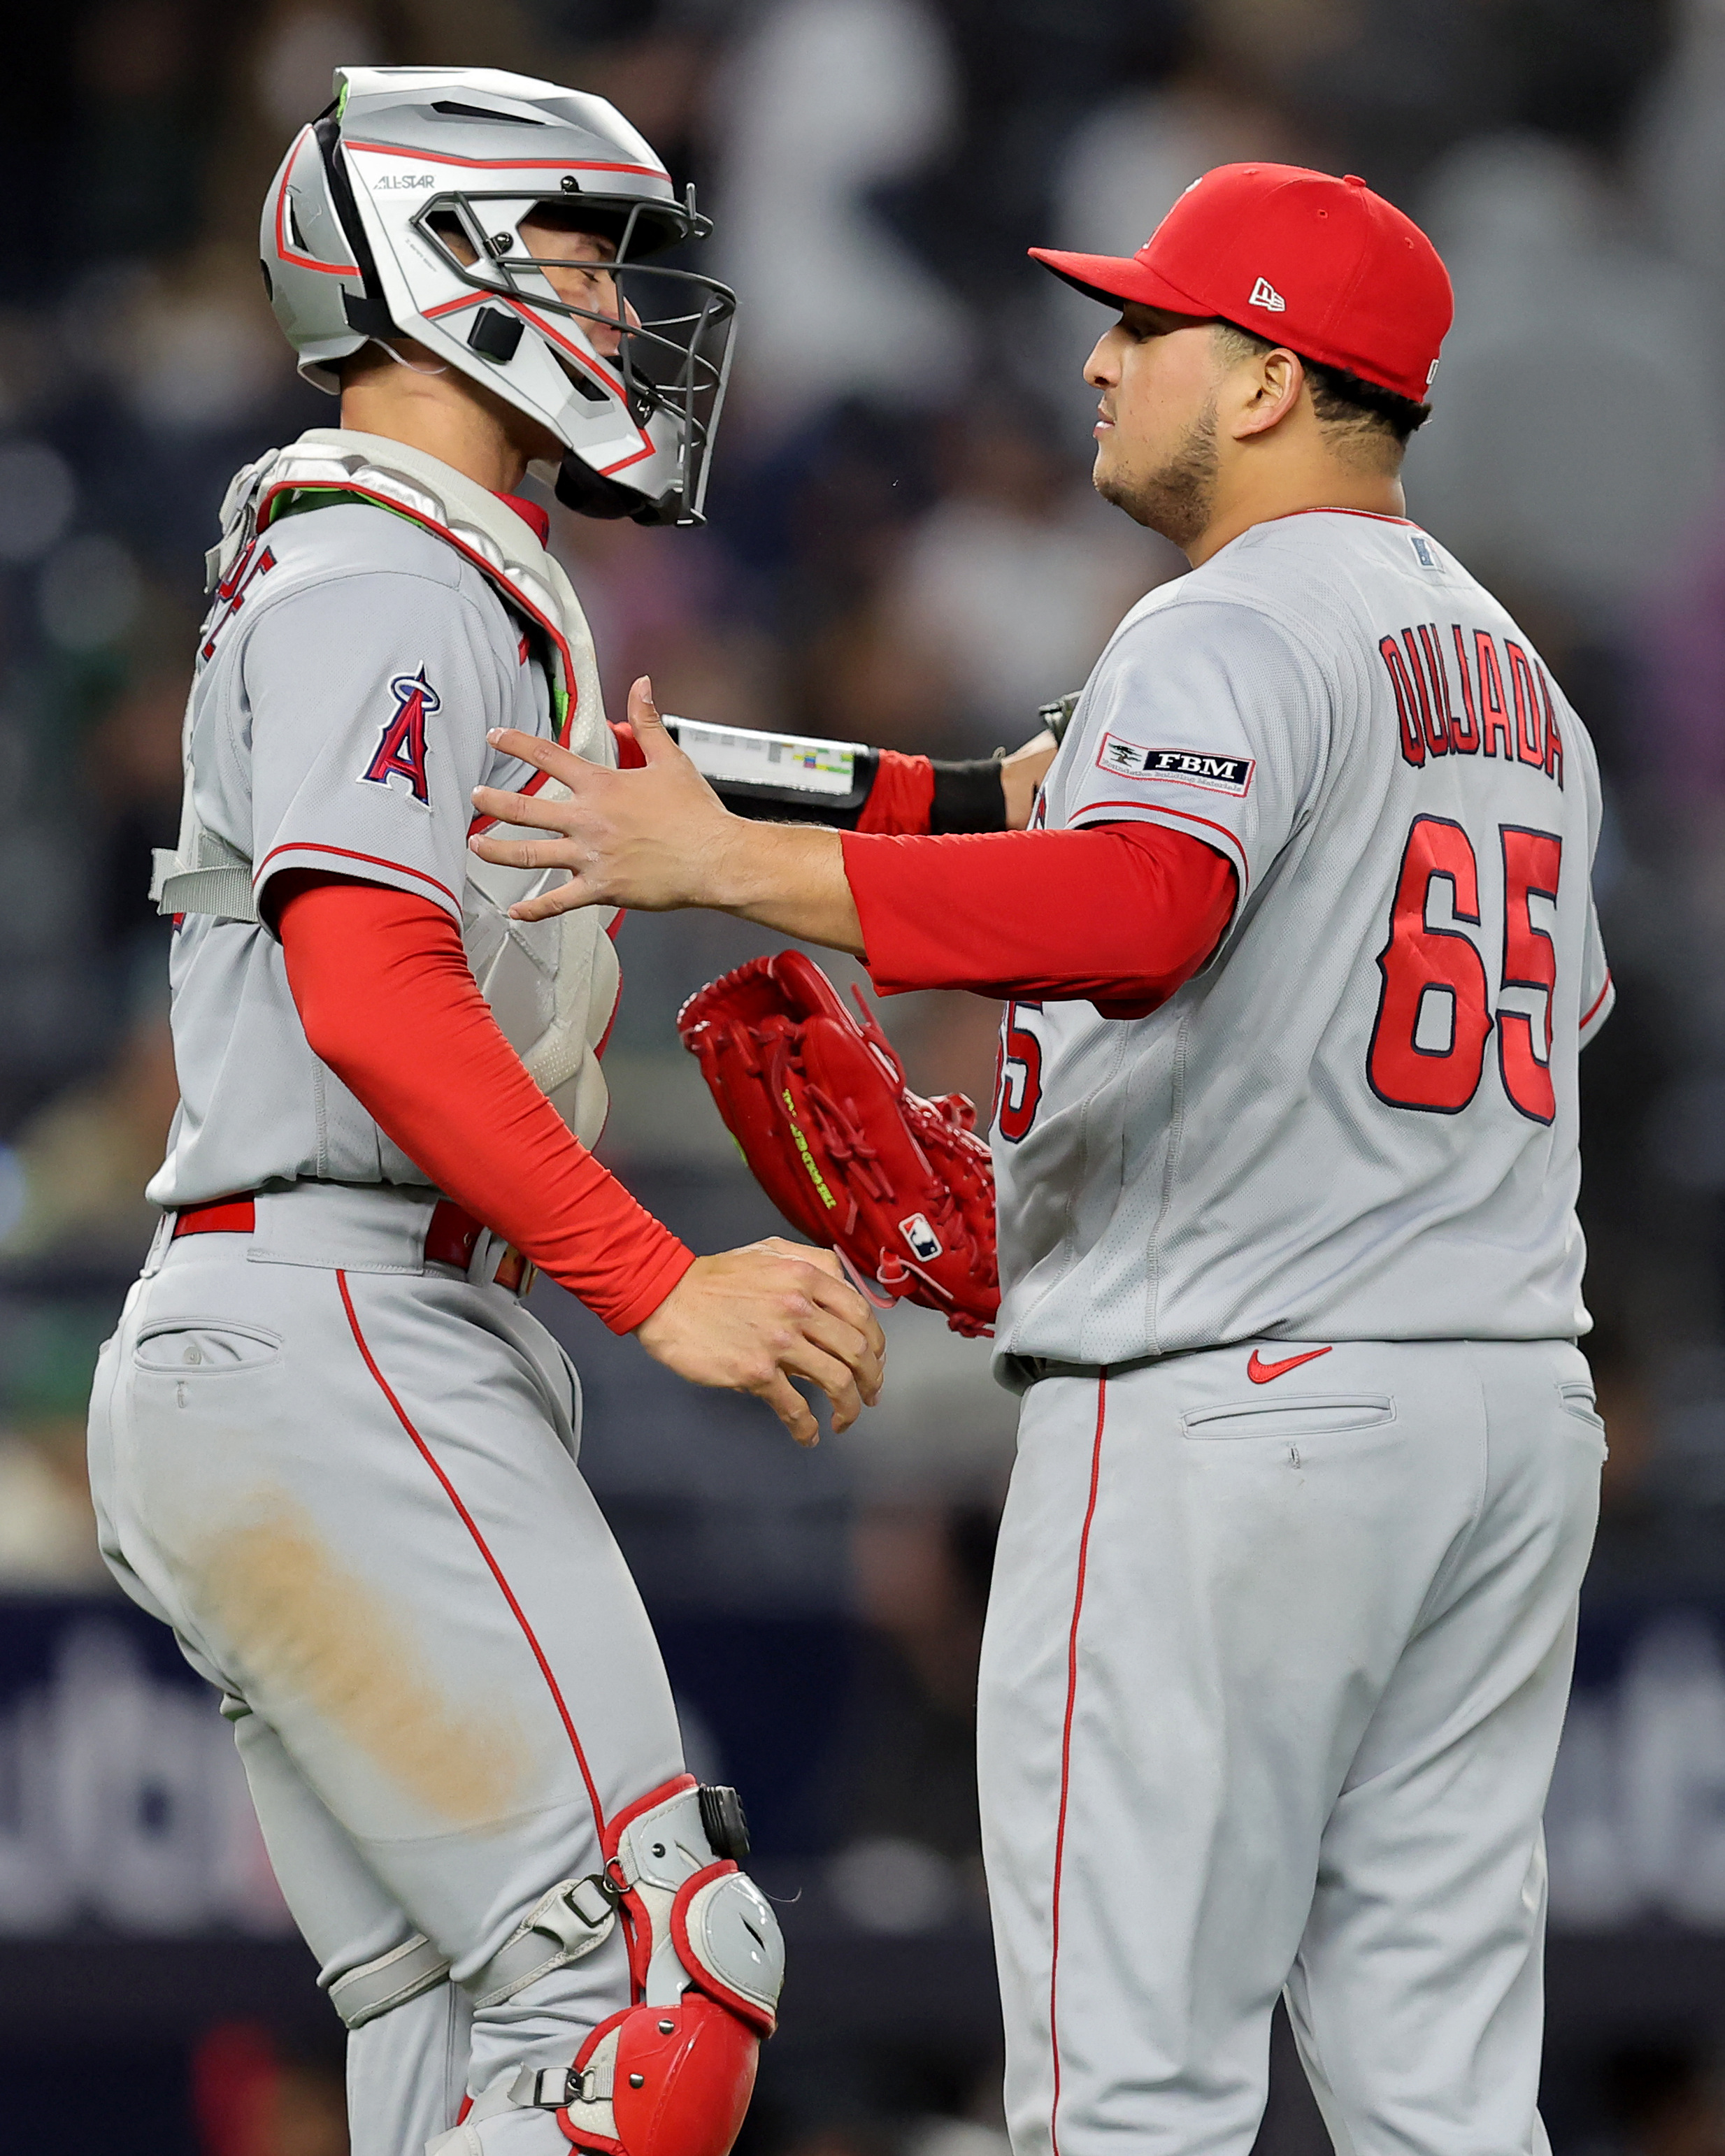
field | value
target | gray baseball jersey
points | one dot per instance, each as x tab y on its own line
338	722
1359	1121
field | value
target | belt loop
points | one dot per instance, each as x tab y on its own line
159	1241
487	1249
497	1263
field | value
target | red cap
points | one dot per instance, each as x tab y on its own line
1322	265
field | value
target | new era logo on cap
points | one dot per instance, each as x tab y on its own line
1265	295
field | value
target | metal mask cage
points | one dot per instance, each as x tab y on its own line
674	359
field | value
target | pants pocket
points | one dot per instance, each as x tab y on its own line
1295	1414
1577	1396
193	1347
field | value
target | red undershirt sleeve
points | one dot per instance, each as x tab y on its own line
1120	914
901	799
387	1000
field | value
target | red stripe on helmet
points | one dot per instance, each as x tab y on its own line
510	164
286	253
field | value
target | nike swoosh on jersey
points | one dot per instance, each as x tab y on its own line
1260	1373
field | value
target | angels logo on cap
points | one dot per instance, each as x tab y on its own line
1354	283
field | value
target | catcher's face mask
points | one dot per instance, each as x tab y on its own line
438	202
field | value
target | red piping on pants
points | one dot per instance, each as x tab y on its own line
496	1570
1053	1967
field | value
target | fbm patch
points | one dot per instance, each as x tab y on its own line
1186	767
400	752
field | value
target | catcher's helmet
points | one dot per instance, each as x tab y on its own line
397	213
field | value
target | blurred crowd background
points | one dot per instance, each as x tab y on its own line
903	548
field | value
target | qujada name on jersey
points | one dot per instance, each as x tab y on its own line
1522	727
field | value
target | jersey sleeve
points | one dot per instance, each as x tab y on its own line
1204	716
369	696
1598	995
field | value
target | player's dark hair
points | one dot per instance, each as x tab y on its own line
1339	395
1339	398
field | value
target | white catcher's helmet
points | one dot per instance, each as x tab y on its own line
356	244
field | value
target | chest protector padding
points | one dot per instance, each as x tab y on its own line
552	985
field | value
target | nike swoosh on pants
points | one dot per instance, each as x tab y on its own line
1260	1373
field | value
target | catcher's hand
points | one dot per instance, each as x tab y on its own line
901	1187
750	1320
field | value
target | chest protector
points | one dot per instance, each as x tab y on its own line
552	985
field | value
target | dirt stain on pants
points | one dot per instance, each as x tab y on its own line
304	1625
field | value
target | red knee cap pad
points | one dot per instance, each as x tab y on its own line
682	2080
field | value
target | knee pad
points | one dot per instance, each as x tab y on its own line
690	1916
658	2080
671	2074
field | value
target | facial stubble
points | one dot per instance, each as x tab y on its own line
1177	500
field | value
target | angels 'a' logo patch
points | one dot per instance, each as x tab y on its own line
1186	767
400	752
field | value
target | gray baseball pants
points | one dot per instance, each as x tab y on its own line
348	1481
1272	1684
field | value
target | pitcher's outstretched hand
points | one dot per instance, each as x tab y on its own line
753	1319
648	839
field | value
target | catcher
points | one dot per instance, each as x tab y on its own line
329	1446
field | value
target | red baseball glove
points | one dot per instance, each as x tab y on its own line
900	1187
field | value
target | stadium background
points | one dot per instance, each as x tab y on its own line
902	548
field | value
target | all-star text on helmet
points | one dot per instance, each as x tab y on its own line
398	213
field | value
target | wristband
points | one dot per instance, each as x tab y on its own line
968	797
